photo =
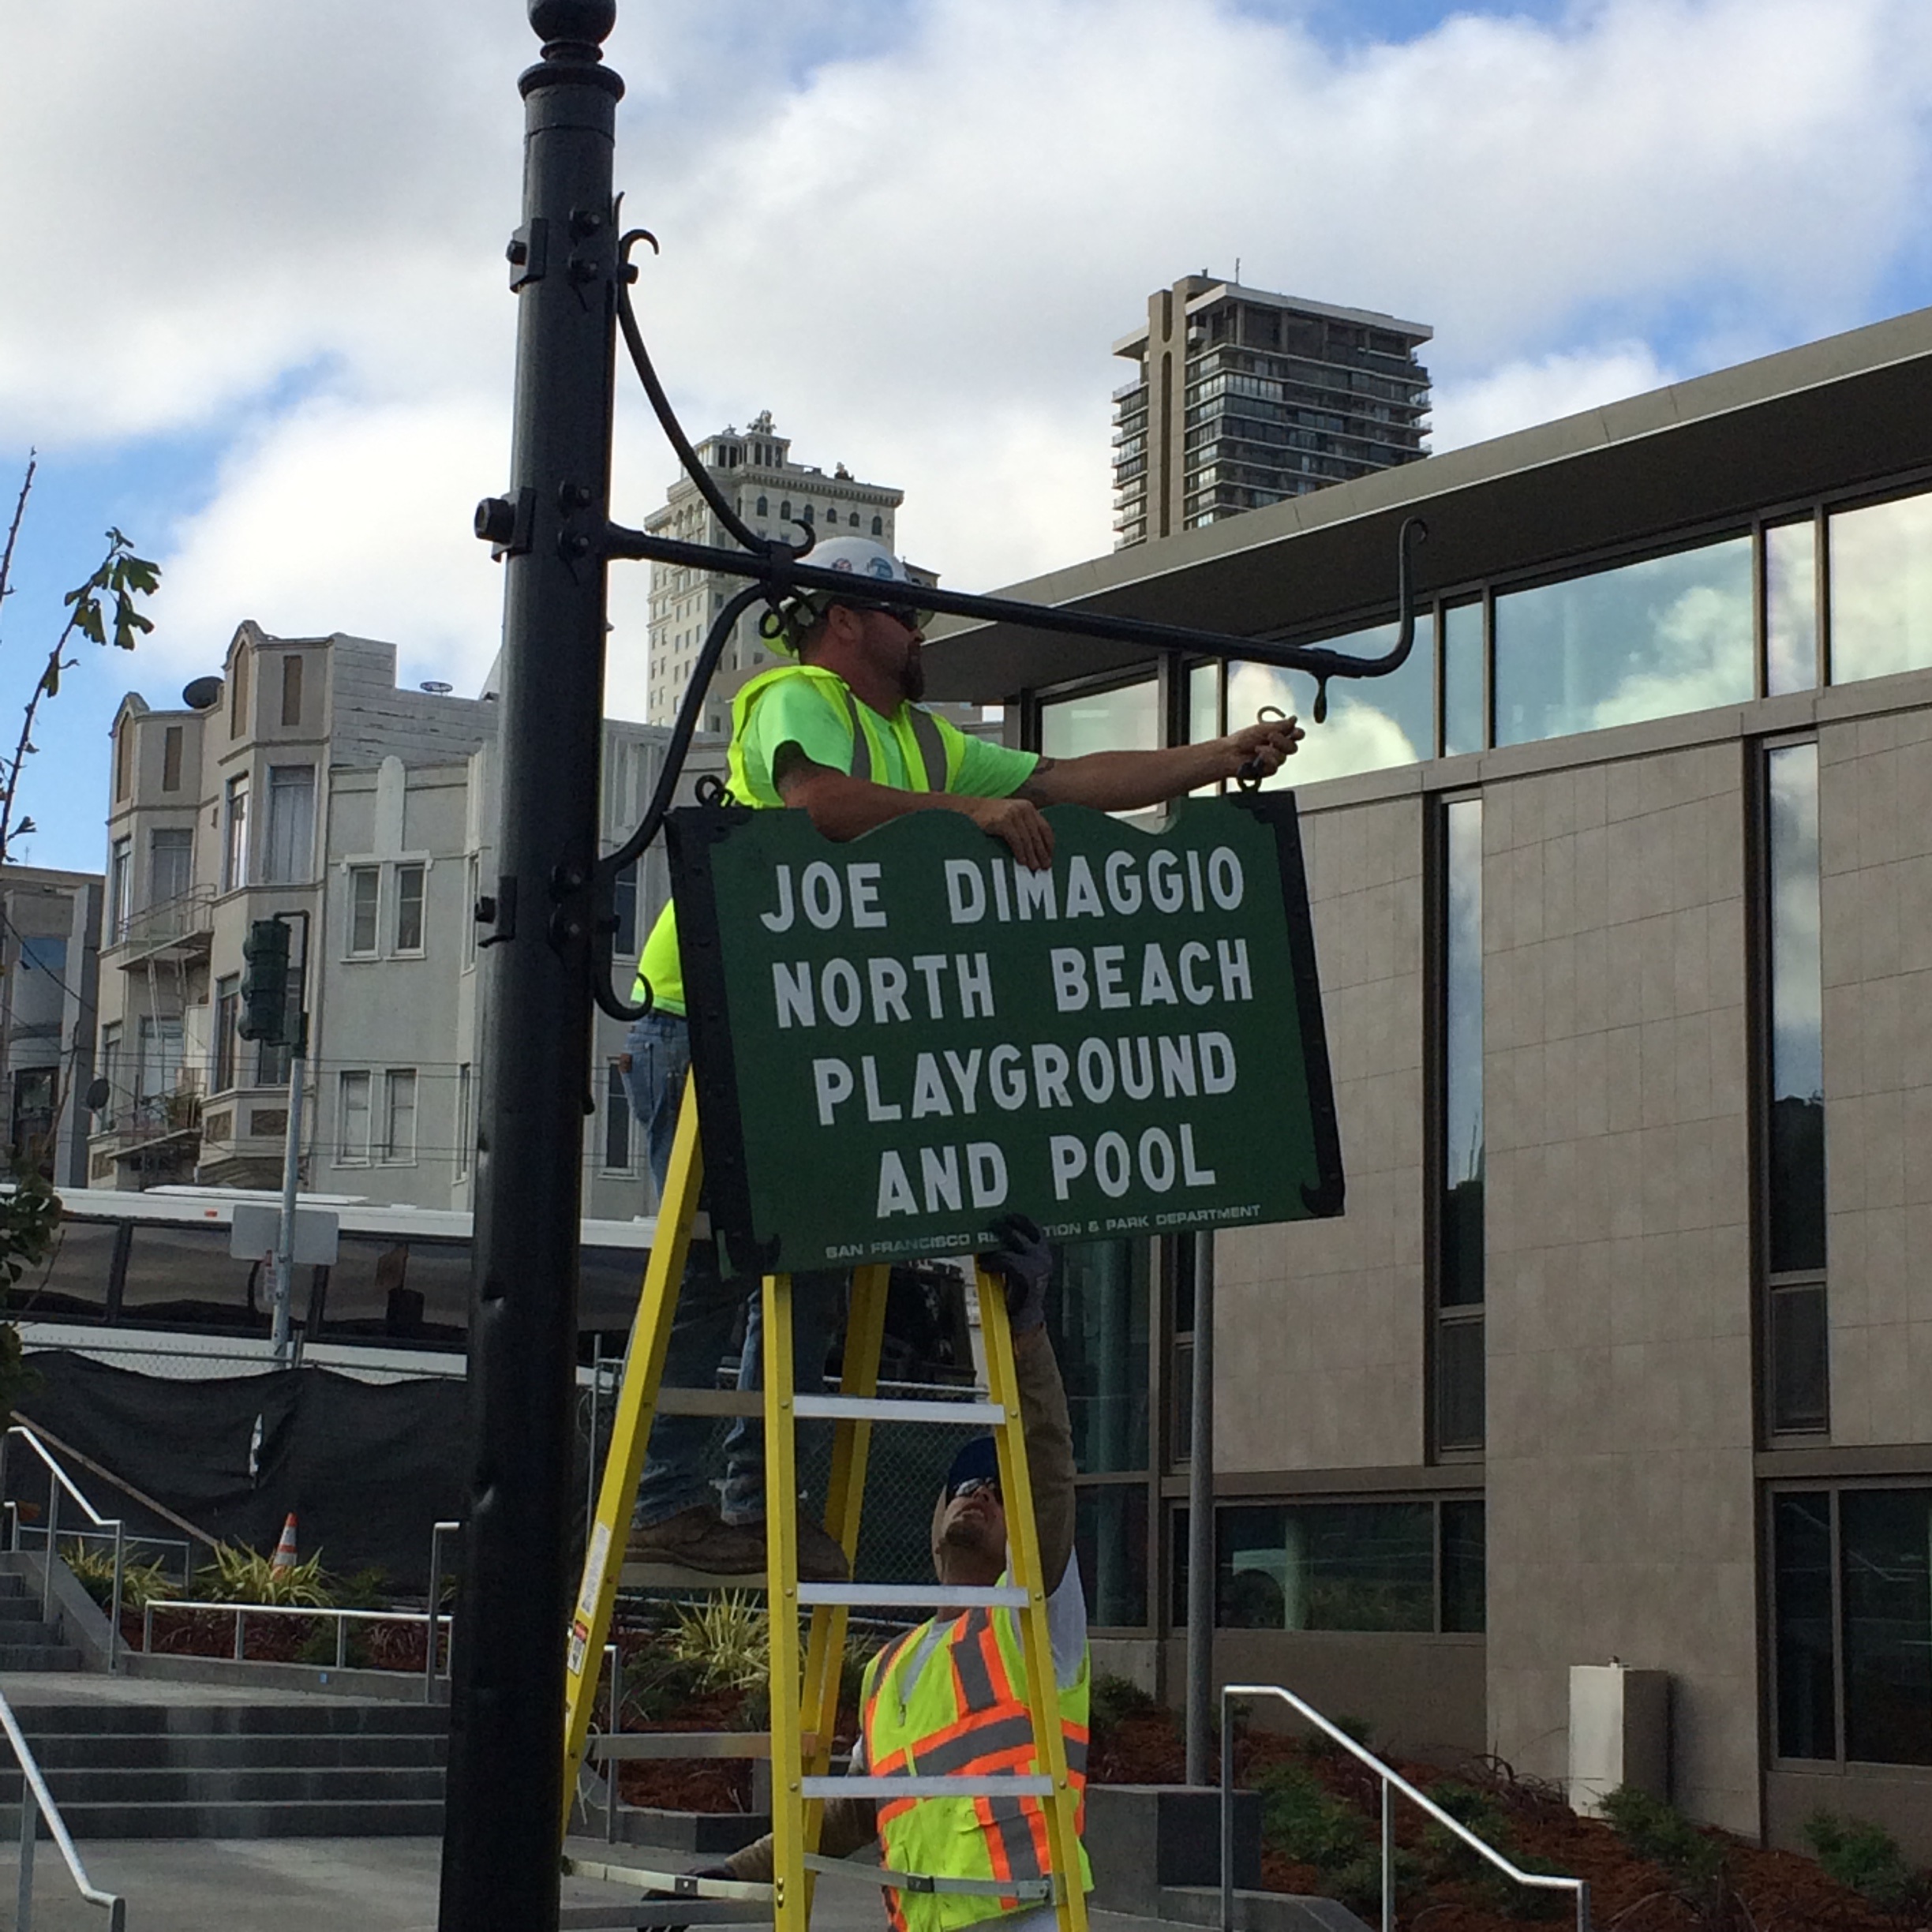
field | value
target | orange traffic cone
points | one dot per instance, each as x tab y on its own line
284	1557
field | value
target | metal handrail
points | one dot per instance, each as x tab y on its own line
37	1802
1392	1781
242	1612
437	1533
58	1480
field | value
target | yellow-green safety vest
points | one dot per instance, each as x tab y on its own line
964	1712
930	748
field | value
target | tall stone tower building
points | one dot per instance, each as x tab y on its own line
773	494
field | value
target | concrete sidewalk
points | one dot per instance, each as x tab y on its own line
341	1884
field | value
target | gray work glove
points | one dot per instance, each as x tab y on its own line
1023	1260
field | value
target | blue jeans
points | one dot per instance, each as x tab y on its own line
707	1312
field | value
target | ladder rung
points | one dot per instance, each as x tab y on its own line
897	1408
914	1595
686	1889
1023	1888
1011	1784
631	1745
667	1912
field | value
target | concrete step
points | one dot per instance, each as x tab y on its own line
357	1818
1257	1911
19	1609
22	1631
263	1785
40	1656
324	1717
231	1750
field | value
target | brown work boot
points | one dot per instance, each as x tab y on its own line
698	1538
820	1560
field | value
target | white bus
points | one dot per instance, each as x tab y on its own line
149	1273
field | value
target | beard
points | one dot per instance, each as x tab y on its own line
912	676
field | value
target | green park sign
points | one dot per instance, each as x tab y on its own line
898	1040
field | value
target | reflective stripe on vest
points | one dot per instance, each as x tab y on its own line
963	1714
921	739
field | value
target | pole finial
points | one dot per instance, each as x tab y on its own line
586	22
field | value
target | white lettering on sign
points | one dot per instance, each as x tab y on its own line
1076	983
839	994
950	1177
1006	890
826	898
1115	1165
1178	1066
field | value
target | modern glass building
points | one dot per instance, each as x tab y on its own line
1622	901
1243	397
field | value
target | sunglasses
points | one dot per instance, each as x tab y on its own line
903	614
975	1485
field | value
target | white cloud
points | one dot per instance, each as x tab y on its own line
911	231
1522	393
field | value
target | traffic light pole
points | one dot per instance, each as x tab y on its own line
291	1175
505	1778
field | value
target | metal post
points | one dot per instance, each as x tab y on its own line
1200	1596
505	1779
1227	1816
29	1830
113	1612
47	1573
240	1639
291	1170
612	1766
1388	1859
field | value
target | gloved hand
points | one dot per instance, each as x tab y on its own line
1023	1260
702	1871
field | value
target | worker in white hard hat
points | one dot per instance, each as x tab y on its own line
840	733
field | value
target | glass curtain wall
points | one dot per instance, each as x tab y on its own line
1099	1310
1459	1395
1794	1125
1791	559
1880	589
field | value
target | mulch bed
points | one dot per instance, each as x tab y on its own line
1777	1891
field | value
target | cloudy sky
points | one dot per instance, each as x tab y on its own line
255	313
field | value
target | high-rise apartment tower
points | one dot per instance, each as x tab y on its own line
773	494
1244	398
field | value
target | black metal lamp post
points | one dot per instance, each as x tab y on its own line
505	1795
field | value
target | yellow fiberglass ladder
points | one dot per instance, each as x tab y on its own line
804	1685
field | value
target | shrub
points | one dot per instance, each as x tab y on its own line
1694	1861
246	1576
319	1646
1111	1698
728	1638
1322	1745
1866	1859
141	1584
657	1683
1450	1858
1305	1823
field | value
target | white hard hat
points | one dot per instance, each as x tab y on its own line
868	561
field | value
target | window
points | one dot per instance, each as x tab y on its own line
238	696
1372	722
784	510
292	688
763	507
1126	718
409	908
1646	640
624	904
1465	725
171	863
878	526
399	1140
120	889
158	1063
1852	1590
124	759
1790	607
616	1122
465	1128
227	1041
1881	575
831	516
235	844
172	758
1798	1379
1458	1368
1349	1565
472	891
112	1072
290	857
364	895
352	1119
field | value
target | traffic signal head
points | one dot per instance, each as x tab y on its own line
265	983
